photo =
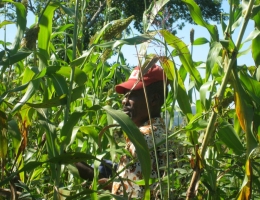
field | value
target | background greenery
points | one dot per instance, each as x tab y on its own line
58	104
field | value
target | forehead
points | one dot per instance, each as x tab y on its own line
134	92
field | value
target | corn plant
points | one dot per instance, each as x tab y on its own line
58	105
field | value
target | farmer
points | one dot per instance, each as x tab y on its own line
134	105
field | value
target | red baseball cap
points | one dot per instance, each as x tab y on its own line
154	74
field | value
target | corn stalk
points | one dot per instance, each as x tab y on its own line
210	130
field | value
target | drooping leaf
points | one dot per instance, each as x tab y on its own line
136	138
59	83
252	86
244	113
11	59
19	88
184	55
252	35
33	86
67	128
5	22
230	138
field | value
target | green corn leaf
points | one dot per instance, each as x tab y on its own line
252	35
80	77
136	138
244	112
14	132
200	41
44	35
71	157
212	58
196	15
20	23
66	131
251	86
11	59
129	41
17	89
27	167
184	55
183	98
150	14
206	87
5	22
32	87
256	50
59	83
229	137
54	102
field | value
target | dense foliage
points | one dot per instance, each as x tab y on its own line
58	104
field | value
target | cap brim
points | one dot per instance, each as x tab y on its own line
121	88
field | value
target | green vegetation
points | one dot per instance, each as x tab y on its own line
58	104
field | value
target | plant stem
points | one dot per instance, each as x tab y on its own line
210	131
72	72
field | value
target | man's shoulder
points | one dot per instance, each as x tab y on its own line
157	124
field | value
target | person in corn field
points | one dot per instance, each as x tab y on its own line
134	105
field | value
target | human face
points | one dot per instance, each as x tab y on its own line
134	105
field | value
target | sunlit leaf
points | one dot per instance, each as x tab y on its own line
5	22
184	55
80	77
150	14
20	23
252	35
196	15
206	87
44	35
200	41
212	58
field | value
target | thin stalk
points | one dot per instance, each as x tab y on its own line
150	121
72	72
154	144
166	131
210	131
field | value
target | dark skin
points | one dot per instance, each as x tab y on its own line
134	105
